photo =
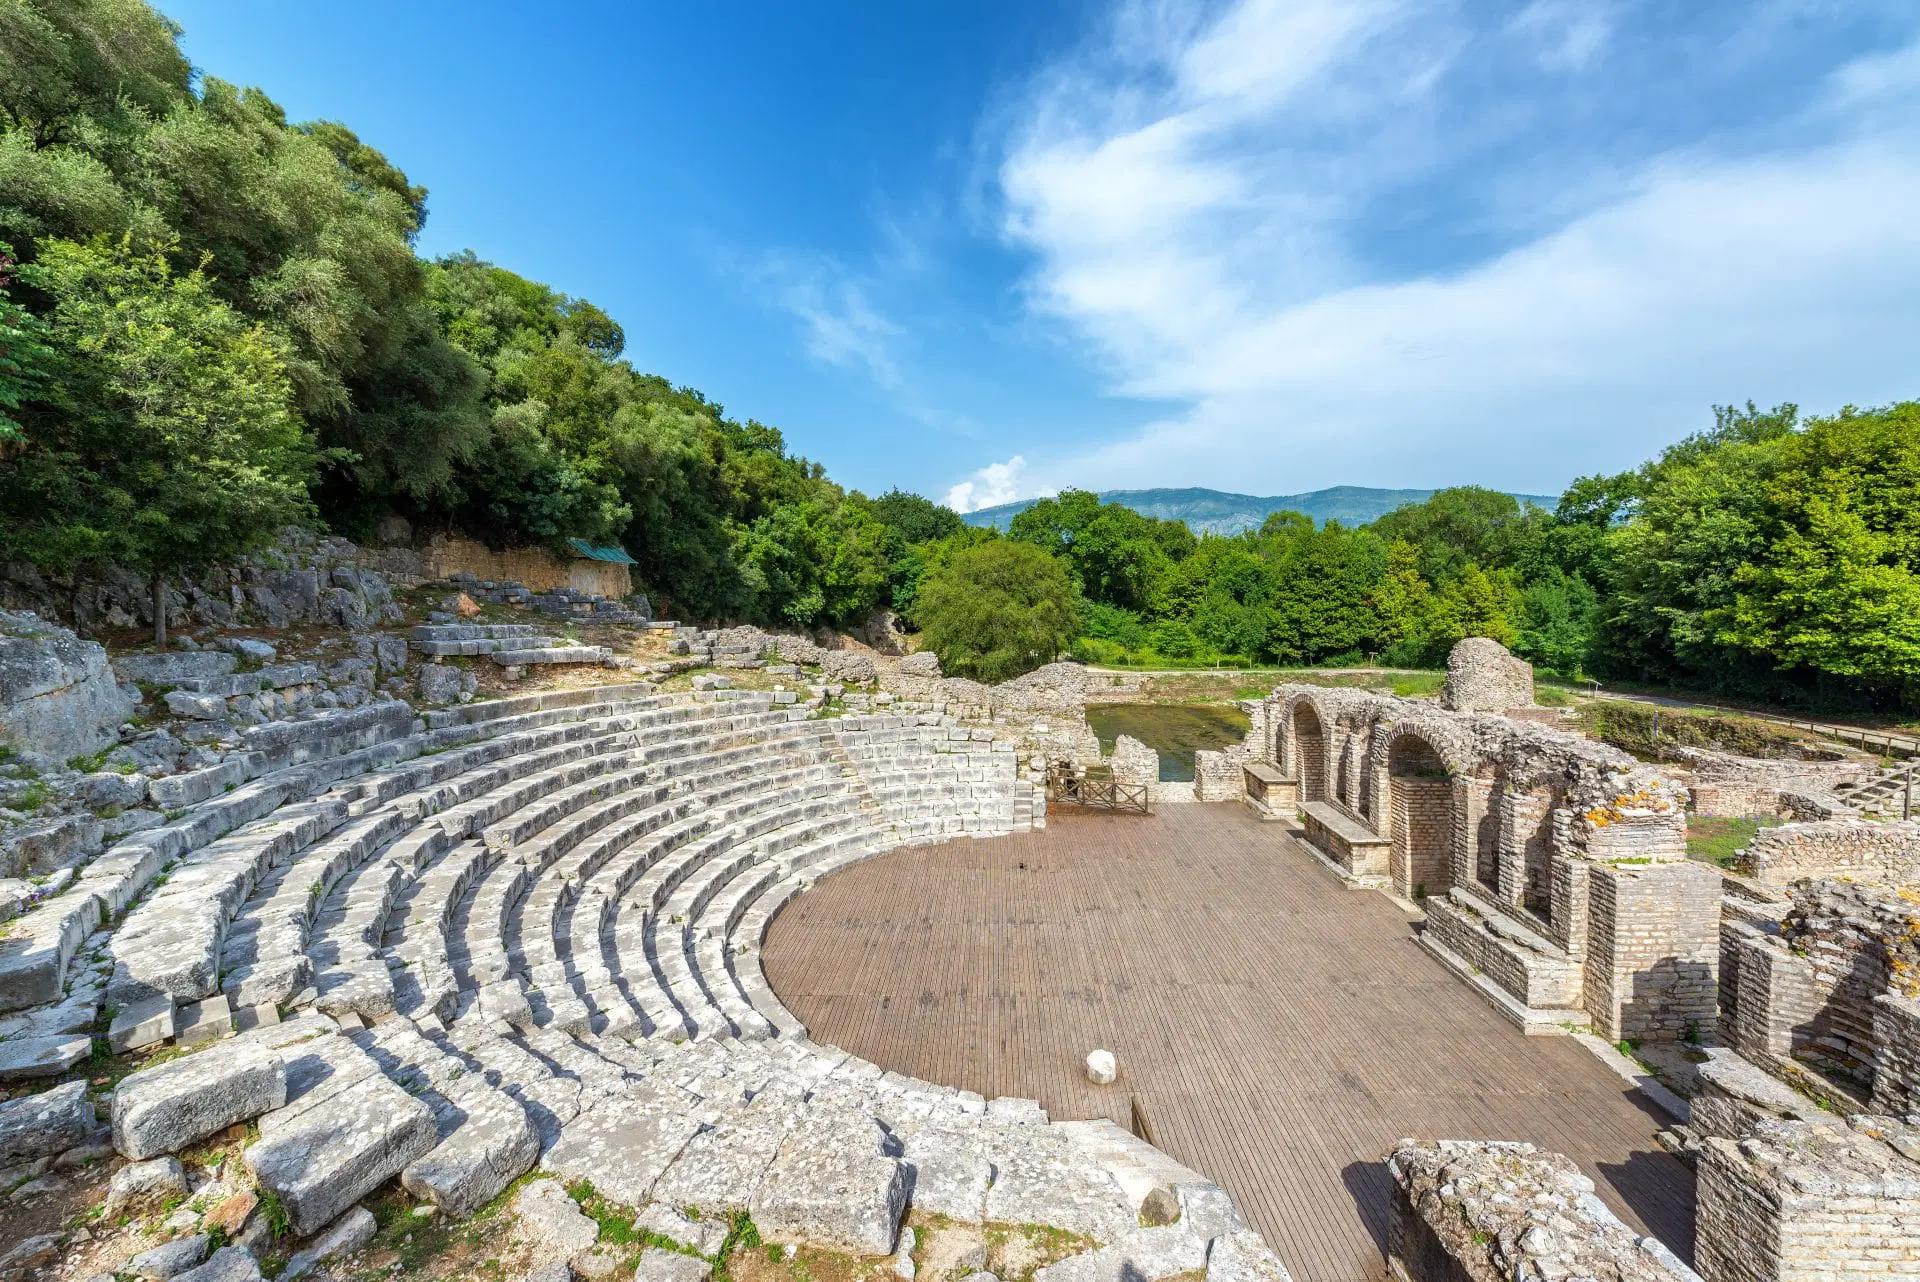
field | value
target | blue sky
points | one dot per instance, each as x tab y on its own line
987	250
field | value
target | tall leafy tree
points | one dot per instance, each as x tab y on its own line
997	609
170	443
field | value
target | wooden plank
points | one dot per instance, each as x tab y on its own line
1284	1031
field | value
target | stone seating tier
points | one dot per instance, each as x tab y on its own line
526	935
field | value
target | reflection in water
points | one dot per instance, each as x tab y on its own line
1176	731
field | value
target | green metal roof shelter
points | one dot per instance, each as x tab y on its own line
592	552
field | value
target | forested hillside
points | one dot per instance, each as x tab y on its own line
213	321
1765	556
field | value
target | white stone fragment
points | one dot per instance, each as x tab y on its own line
1102	1068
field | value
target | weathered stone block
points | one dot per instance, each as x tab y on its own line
165	1108
335	1153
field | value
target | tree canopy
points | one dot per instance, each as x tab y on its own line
213	320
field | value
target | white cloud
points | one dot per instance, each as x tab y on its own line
1200	215
993	484
840	324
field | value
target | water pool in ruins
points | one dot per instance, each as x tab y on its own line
1174	730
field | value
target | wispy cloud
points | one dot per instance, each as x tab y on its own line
1226	213
1567	34
839	323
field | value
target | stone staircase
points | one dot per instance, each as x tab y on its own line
1880	795
507	644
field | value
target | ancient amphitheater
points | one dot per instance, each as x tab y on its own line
470	948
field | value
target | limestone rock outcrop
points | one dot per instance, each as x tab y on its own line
58	694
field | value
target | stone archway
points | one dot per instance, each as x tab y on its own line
1420	801
1526	848
1309	751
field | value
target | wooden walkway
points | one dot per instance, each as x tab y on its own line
1277	1031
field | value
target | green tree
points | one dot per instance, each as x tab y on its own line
1412	629
170	443
914	518
26	361
1478	604
1555	628
1465	524
1834	587
997	609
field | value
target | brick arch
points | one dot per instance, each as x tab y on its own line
1420	783
1306	732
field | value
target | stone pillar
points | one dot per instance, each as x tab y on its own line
1475	798
1896	1044
1778	994
1653	950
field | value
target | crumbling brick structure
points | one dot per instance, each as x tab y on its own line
1553	869
1833	992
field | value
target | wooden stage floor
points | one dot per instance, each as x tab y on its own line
1277	1030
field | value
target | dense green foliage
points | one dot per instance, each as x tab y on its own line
214	321
997	609
454	393
1766	556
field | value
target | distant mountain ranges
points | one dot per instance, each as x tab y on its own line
1217	512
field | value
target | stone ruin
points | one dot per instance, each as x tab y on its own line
1484	676
1495	1211
521	937
1552	869
1883	853
1804	1128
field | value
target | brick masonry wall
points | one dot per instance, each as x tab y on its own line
1740	918
1778	1000
537	568
1654	951
1422	836
1863	850
1896	1039
1805	1201
1525	845
1531	978
1310	765
1735	799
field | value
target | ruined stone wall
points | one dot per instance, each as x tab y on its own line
1490	1211
1524	842
536	568
1812	995
1483	676
1860	849
1422	836
1777	999
1741	918
1221	776
1896	1045
1528	819
1810	1199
